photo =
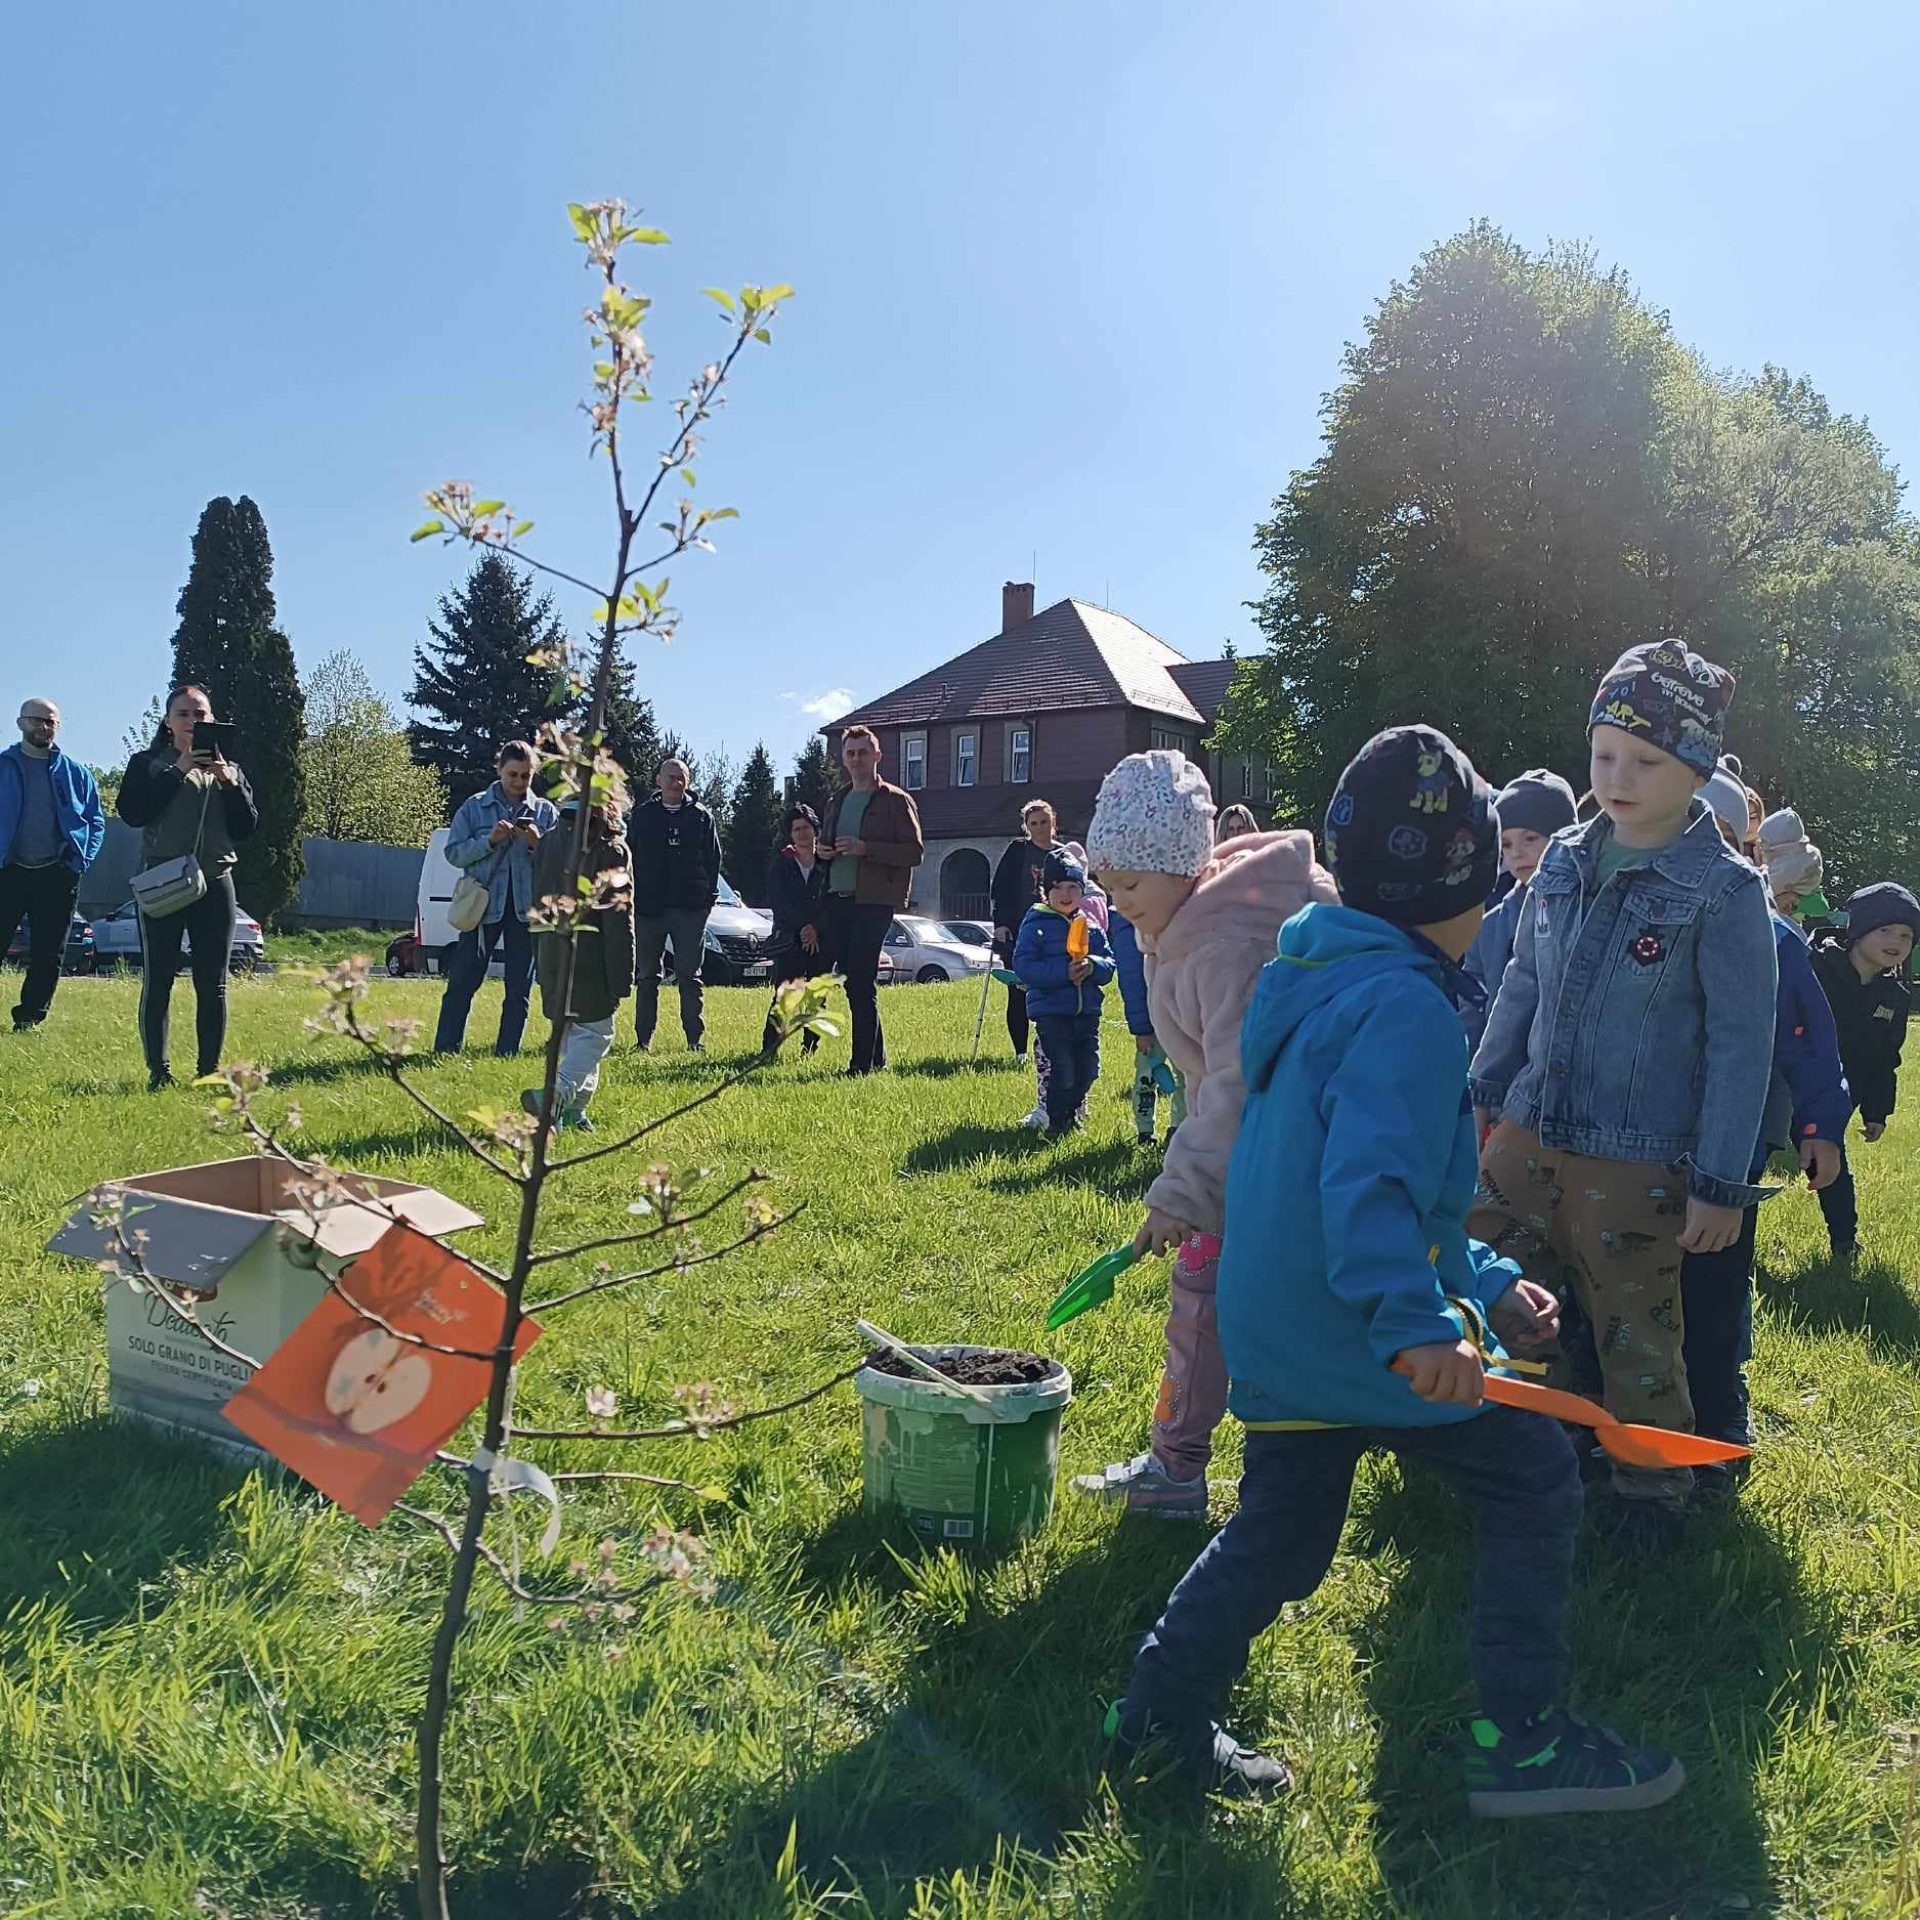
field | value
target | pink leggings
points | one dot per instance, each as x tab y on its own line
1193	1389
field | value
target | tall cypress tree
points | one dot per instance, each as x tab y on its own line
228	643
752	833
813	780
633	734
473	679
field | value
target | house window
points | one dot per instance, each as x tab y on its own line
1246	779
966	759
1019	755
1172	738
913	760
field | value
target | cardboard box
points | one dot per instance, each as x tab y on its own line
238	1230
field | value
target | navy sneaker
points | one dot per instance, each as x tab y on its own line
1557	1764
1199	1758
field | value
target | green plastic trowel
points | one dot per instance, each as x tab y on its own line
1092	1287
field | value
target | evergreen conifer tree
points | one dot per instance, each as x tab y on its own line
752	834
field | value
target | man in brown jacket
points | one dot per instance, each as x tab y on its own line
872	838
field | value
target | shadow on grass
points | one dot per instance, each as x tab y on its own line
968	1145
98	1509
1118	1167
406	1140
949	1067
1827	1296
1705	1650
315	1070
993	1742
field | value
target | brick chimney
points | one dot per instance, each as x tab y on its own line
1016	604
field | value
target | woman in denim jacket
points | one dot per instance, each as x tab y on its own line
1629	1049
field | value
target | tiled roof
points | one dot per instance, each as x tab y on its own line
1205	682
1068	655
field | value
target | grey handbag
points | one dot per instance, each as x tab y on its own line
174	885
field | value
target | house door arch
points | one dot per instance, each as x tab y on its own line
966	885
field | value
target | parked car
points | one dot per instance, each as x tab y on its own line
76	957
737	952
925	951
116	942
969	933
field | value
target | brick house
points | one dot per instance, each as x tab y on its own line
1042	710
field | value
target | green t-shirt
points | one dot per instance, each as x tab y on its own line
845	871
1614	858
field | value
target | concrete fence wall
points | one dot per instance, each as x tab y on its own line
348	883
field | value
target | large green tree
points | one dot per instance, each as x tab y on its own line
1524	473
633	734
752	835
473	682
229	643
813	780
362	782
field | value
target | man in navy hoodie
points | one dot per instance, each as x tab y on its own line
51	827
1356	1313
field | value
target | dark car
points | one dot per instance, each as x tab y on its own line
76	957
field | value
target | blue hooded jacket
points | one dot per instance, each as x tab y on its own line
1809	1097
1040	959
1131	969
76	806
1348	1190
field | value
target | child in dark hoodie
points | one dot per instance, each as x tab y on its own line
1865	973
1347	1266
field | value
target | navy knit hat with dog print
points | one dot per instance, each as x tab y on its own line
1412	835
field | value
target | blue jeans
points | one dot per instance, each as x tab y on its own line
1072	1043
1516	1473
470	962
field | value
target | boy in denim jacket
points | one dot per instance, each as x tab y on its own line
1355	1313
1629	1049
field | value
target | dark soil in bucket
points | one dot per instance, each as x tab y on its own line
975	1367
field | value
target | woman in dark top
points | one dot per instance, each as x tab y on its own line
797	891
187	801
1016	887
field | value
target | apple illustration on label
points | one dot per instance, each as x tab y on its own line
375	1381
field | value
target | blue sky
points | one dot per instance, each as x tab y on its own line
1072	280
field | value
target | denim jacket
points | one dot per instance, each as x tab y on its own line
1635	1019
467	847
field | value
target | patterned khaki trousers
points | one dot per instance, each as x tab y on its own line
1608	1228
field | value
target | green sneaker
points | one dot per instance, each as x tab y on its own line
1557	1764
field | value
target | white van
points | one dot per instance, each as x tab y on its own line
434	935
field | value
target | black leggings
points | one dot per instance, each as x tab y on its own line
210	923
1017	1023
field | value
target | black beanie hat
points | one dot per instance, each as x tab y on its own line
1060	865
1412	834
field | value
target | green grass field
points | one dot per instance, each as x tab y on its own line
208	1678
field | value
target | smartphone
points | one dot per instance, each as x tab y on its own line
215	736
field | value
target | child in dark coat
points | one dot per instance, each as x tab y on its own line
1063	963
1865	973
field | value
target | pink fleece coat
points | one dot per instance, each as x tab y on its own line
1200	975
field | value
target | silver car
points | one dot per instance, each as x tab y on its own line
116	942
925	951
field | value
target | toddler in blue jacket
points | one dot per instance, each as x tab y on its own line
1063	989
1356	1313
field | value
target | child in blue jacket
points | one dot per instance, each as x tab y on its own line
1346	1267
1808	1106
1063	993
1153	1072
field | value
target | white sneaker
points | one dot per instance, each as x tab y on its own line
1143	1485
1036	1119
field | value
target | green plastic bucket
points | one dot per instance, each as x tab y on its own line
958	1472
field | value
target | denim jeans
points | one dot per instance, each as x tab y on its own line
1072	1041
1515	1472
470	962
858	932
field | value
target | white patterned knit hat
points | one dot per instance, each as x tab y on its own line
1154	815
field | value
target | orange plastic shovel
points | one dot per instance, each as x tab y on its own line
1632	1445
1079	944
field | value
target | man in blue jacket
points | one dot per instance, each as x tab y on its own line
1356	1313
51	827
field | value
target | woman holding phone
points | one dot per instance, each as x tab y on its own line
188	798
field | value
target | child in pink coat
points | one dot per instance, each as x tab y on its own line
1207	922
